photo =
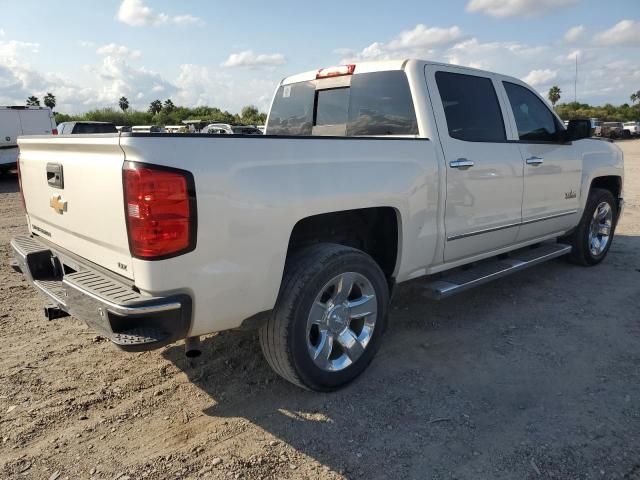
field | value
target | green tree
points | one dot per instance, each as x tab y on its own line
249	112
250	115
168	106
554	95
33	101
50	100
155	107
635	97
124	104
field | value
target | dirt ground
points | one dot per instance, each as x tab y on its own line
533	376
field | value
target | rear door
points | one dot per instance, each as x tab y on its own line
74	196
484	171
552	167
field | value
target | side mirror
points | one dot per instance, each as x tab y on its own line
578	128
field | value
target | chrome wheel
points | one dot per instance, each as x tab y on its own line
341	322
600	229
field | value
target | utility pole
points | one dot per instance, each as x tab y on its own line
575	82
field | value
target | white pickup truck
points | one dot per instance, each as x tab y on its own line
369	175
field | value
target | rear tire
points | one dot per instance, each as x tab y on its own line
329	318
591	240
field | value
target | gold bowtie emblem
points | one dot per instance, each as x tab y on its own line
58	204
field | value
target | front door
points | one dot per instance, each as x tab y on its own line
552	167
483	170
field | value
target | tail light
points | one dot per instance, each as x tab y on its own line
24	205
337	71
160	208
54	131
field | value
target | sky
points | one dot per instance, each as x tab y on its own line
232	54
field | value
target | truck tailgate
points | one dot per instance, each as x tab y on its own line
82	209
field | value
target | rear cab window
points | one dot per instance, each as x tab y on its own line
367	104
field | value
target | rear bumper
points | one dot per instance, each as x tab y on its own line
8	157
113	308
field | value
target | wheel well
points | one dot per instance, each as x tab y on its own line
611	183
372	230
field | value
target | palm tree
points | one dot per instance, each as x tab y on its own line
50	100
635	97
124	104
554	95
168	106
33	101
155	107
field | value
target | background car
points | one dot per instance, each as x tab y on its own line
20	120
610	130
225	128
84	127
632	127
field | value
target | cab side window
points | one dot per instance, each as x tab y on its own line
471	107
534	120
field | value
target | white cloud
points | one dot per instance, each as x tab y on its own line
574	34
539	78
513	8
409	43
119	78
13	48
200	85
425	37
184	20
251	60
116	50
625	32
604	74
136	13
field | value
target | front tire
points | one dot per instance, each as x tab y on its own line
592	238
328	322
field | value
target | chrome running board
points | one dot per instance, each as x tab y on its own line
489	270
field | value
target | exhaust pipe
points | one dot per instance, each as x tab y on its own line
192	347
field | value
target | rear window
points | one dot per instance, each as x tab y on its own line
332	106
381	104
292	110
377	103
81	128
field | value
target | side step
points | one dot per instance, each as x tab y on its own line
138	339
490	270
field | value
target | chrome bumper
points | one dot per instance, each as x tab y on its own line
132	321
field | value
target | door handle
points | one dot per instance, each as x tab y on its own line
55	176
534	160
461	163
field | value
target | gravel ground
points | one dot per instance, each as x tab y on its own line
534	376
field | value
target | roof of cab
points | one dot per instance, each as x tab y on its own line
384	65
361	67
